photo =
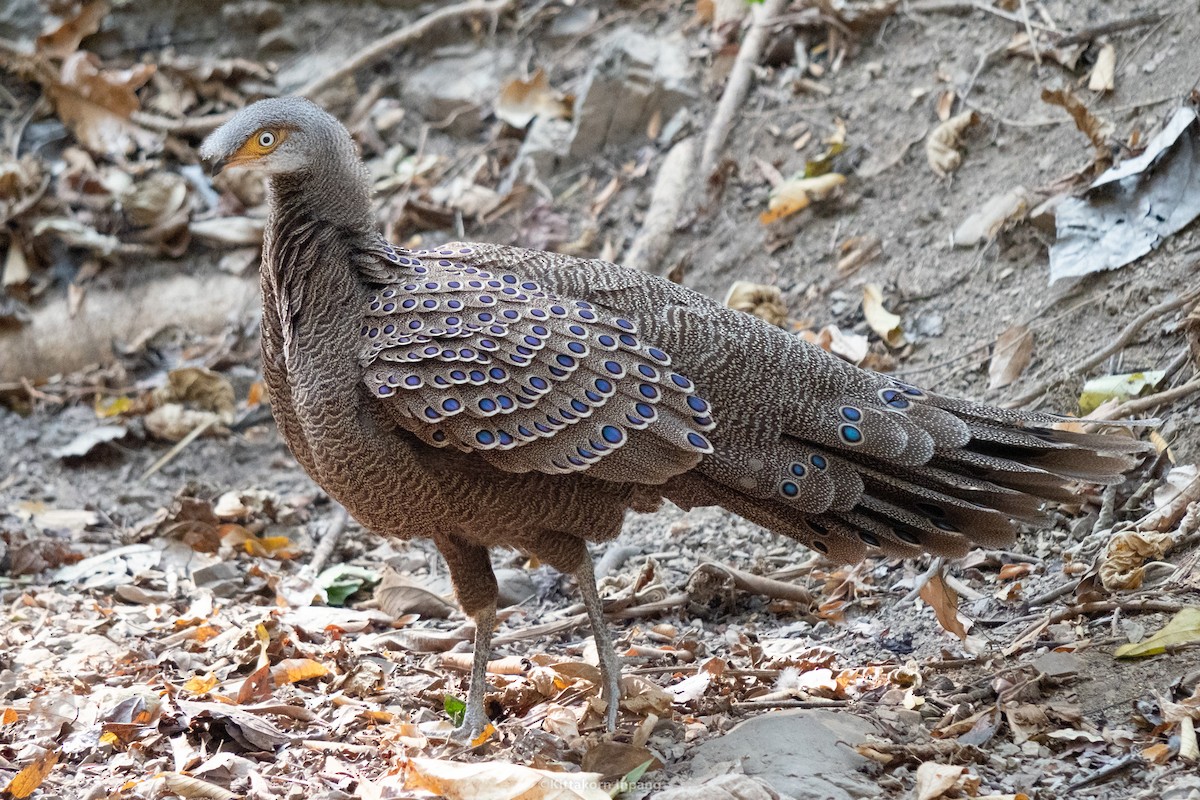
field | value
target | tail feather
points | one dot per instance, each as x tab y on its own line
896	469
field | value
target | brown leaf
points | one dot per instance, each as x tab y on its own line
497	780
1096	129
64	40
614	760
880	320
520	101
944	602
258	686
96	105
1010	356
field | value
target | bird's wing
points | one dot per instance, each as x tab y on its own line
490	362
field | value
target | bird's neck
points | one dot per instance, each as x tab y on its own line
337	195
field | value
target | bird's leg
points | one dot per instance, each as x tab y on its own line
610	668
475	718
475	586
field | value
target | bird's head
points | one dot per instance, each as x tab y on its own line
279	136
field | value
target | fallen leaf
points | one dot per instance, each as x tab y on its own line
941	147
1096	129
614	760
986	222
853	347
797	194
26	782
63	40
944	602
879	319
1010	356
1117	387
522	100
399	595
1183	628
1131	208
86	442
499	780
764	302
294	670
937	780
1121	567
96	104
1104	70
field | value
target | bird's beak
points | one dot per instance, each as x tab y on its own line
215	165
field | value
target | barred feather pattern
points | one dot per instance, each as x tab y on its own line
844	460
486	396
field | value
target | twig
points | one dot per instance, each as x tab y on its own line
1033	42
666	201
325	547
1104	28
1122	340
757	584
406	35
1140	404
755	705
369	55
579	620
192	435
737	86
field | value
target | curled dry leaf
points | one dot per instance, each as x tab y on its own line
941	147
1122	568
938	595
939	780
1104	70
986	222
1117	387
851	346
764	302
797	194
1010	356
233	231
498	780
96	104
522	100
883	322
1096	129
81	21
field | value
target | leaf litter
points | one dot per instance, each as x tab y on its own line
175	633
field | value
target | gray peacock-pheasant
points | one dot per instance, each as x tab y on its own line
488	396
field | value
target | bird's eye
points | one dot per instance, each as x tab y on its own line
266	139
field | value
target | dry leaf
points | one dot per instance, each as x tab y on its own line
64	40
1104	70
232	231
499	780
1183	628
883	322
26	782
764	302
944	602
985	223
1121	567
937	780
398	595
96	105
200	685
941	148
1010	356
294	670
193	788
520	101
797	194
1097	130
853	347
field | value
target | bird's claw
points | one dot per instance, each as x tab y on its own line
473	725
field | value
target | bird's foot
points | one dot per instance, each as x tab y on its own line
474	723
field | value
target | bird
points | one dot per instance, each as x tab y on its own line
487	396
